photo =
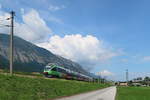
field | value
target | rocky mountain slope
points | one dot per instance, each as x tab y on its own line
29	57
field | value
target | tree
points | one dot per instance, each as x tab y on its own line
147	80
139	78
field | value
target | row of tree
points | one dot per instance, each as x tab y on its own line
140	80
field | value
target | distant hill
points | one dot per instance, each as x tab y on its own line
31	58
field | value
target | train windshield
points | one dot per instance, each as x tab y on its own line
48	67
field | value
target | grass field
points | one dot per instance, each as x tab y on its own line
133	93
24	88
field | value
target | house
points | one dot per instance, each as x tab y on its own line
123	84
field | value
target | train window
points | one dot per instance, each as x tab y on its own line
48	68
64	71
54	69
61	70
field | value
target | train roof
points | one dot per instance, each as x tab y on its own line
49	64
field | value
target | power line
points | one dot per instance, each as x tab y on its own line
2	19
6	19
5	25
2	26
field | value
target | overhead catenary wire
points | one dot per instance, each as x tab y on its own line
4	25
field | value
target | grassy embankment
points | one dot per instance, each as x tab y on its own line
133	93
25	88
37	74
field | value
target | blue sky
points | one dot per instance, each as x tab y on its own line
122	25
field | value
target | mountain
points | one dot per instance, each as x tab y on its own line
31	58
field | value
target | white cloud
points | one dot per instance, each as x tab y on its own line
3	22
86	50
56	8
33	28
105	73
146	59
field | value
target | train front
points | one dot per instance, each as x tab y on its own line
47	70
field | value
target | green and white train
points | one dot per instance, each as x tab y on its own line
53	70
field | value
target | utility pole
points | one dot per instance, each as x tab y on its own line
127	75
12	13
99	78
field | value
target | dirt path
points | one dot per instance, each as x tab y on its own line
103	94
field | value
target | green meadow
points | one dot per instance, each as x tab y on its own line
133	93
